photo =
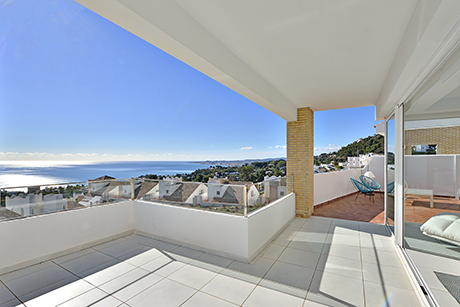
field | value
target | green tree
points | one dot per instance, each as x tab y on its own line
245	171
281	163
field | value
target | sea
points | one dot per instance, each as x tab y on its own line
29	173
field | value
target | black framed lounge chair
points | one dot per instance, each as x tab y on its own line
362	189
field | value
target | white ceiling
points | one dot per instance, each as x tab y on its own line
282	55
320	54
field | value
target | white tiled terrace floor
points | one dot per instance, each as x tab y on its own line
314	262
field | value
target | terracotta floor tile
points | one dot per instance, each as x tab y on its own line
417	208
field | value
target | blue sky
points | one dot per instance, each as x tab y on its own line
74	86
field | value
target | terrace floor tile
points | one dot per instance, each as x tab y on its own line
328	262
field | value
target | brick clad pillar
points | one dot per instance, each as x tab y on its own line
300	160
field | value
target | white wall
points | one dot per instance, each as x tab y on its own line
266	223
97	185
219	233
167	188
214	188
331	185
434	172
154	193
32	239
377	167
253	195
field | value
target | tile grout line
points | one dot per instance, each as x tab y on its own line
153	272
95	286
362	266
316	267
79	278
274	262
314	270
1	282
199	290
51	261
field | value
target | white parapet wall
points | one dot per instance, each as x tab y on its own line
222	234
329	186
39	238
377	167
217	233
266	223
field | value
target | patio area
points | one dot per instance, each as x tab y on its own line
362	209
416	209
313	262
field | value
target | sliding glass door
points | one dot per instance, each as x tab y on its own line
390	173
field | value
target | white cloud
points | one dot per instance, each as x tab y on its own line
280	146
245	148
87	154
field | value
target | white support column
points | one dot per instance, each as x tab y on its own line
385	171
399	175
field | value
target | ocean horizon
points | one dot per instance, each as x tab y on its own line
27	173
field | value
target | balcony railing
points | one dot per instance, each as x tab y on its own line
240	198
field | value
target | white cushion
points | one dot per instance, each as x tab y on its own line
445	226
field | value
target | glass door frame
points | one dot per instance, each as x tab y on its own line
398	115
399	190
399	176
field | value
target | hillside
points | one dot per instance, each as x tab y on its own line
371	144
253	172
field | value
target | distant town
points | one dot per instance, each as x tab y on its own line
257	170
220	187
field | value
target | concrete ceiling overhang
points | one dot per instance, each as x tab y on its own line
286	55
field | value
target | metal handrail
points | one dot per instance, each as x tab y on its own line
62	184
129	180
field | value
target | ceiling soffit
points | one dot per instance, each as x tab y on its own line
427	50
286	55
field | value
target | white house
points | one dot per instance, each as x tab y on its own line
91	201
24	204
35	203
153	193
253	195
273	189
199	195
97	184
168	187
216	190
53	202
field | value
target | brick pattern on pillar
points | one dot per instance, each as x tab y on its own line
447	139
300	160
